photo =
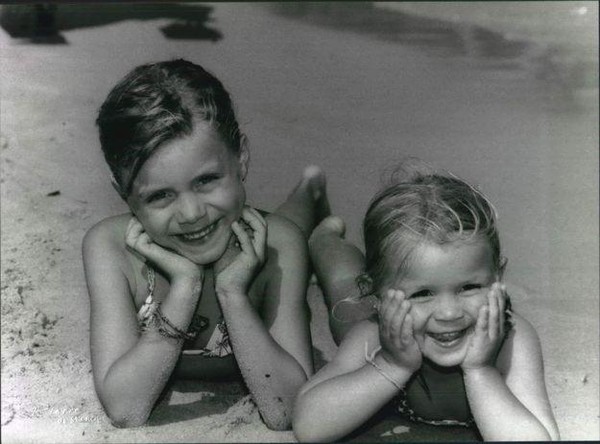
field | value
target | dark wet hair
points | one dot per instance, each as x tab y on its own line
156	103
422	207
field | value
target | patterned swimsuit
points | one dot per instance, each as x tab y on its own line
218	346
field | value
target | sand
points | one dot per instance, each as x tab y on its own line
313	90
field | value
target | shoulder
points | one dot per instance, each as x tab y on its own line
104	250
108	233
521	347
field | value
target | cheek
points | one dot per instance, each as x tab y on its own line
420	314
474	303
155	223
232	199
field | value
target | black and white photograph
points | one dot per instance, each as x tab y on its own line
321	221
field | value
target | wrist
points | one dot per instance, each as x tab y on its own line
187	285
397	373
479	372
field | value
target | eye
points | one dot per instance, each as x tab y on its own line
421	294
159	196
207	179
471	288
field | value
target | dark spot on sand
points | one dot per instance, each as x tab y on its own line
279	399
53	193
267	376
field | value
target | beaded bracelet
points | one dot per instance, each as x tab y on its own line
370	358
175	332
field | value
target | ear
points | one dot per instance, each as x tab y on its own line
244	157
365	284
118	188
502	267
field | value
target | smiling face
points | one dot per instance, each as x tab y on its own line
188	193
446	285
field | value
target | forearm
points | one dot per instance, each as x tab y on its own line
272	375
499	415
335	407
134	382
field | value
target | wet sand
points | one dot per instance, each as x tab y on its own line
309	89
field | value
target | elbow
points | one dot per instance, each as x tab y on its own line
304	429
277	421
125	415
126	419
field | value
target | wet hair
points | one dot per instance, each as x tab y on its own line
156	103
422	207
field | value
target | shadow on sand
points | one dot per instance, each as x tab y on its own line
43	23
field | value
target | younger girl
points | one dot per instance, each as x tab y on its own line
444	346
193	283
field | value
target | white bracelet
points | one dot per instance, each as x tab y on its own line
370	358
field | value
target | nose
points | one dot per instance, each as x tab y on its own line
190	209
448	308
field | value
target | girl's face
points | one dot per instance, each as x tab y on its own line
188	193
446	285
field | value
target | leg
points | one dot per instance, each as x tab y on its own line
307	204
337	263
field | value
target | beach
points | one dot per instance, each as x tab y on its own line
312	85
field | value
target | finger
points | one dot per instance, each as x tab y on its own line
501	309
132	236
482	320
253	219
493	310
388	307
396	314
259	225
243	238
408	337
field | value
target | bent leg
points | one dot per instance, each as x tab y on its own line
337	264
307	204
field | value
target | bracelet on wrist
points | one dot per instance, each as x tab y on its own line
159	322
370	358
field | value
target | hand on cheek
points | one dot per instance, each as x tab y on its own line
174	265
396	331
488	331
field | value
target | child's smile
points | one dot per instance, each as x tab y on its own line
446	285
188	193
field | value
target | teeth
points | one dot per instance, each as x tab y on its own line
200	234
447	337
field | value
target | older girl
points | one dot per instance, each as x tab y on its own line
193	283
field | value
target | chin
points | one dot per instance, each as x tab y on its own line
445	358
205	257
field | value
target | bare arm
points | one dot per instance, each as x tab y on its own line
507	397
272	347
513	406
348	391
130	369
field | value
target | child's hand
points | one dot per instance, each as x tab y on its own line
236	277
398	343
173	264
489	331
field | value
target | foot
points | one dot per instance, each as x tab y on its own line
313	178
330	226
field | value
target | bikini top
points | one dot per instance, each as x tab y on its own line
218	346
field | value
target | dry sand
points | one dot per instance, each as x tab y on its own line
351	102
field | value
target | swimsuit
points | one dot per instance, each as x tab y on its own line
218	346
403	406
